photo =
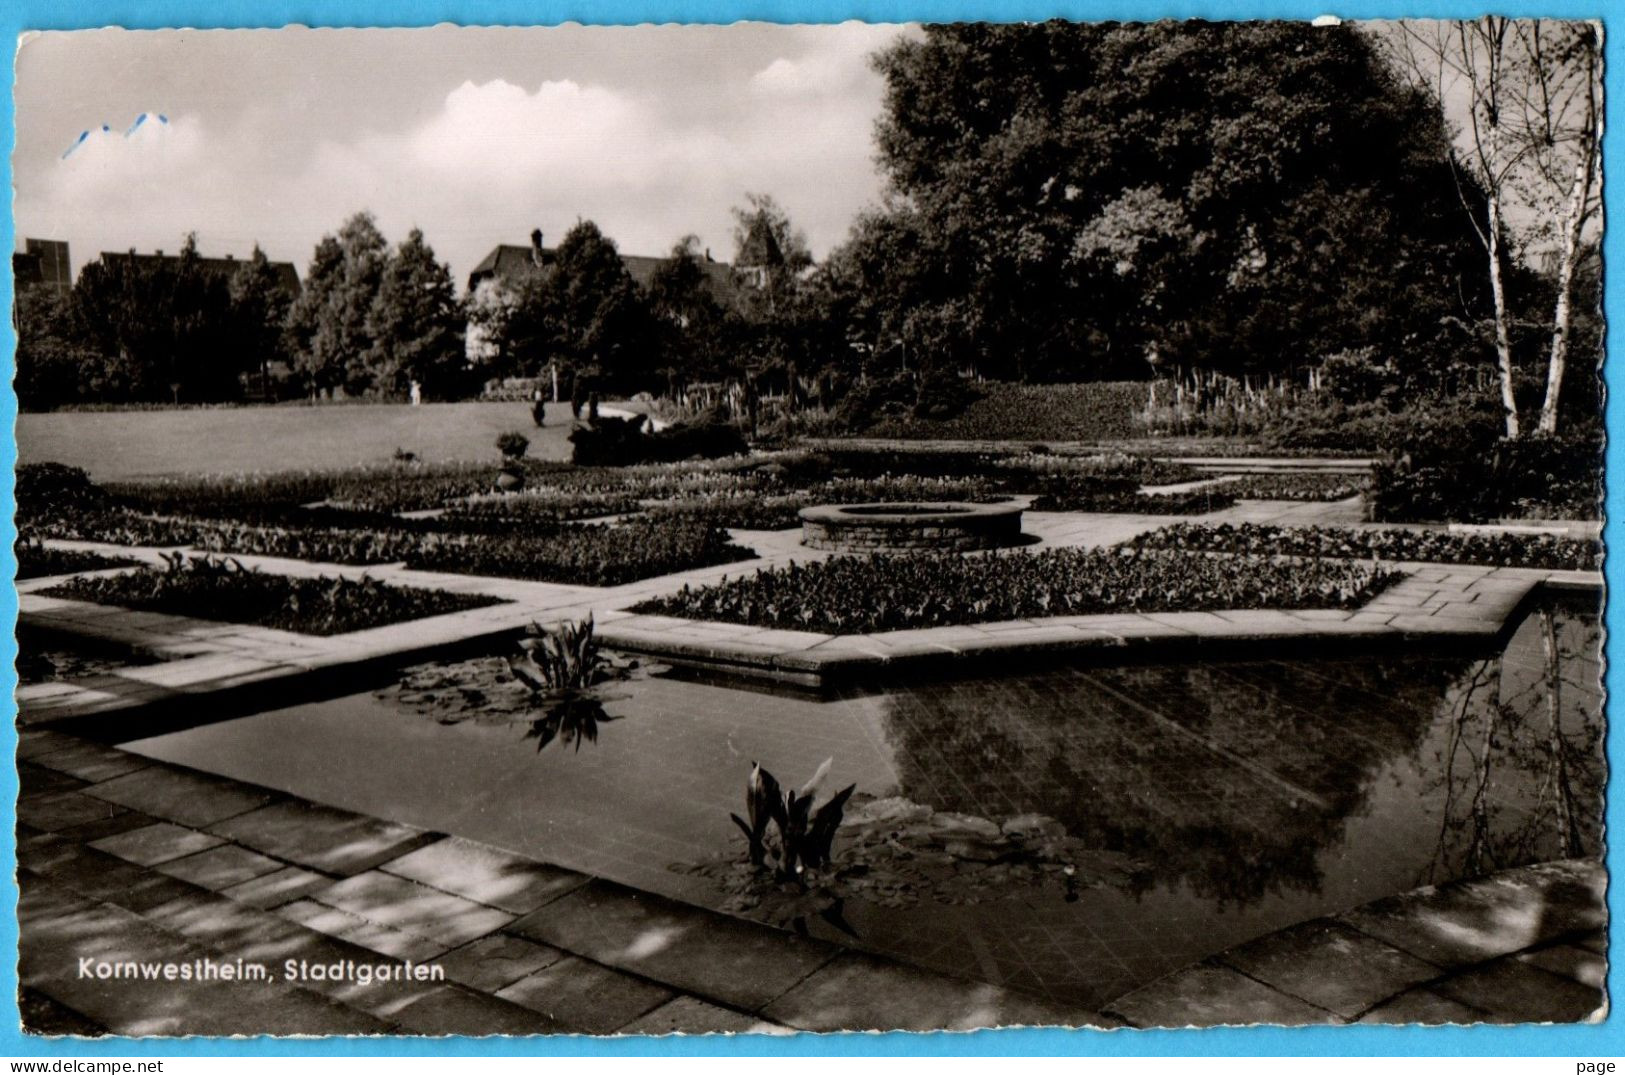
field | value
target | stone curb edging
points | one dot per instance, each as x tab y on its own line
1521	945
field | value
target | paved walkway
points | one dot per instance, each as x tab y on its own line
1519	946
122	859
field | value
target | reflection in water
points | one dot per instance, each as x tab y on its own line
569	720
1521	767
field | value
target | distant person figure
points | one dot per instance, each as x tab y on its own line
592	407
417	393
538	408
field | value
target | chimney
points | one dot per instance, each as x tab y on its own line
159	254
708	253
231	257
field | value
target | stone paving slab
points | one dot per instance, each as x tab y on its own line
738	963
498	960
1510	991
188	798
1573	961
1209	994
98	931
1331	966
449	1009
412	908
485	875
89	761
1474	921
321	837
220	867
274	889
689	1015
157	843
358	930
859	992
576	995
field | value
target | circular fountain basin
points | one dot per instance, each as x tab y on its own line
869	527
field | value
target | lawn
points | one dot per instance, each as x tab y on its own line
116	445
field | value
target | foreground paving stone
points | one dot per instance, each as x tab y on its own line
1474	921
40	1015
577	996
123	821
1210	995
274	889
485	874
1424	1007
739	963
63	810
1583	965
858	992
36	780
188	798
1510	991
689	1015
379	939
413	908
320	837
1330	966
499	960
157	843
91	761
220	867
450	1009
62	924
101	876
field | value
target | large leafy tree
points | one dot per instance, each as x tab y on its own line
54	363
1070	200
692	327
329	325
582	310
259	311
161	326
416	324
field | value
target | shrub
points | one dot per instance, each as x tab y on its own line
211	588
1316	487
849	594
512	445
943	395
43	488
37	560
620	442
586	555
1441	546
1121	502
1474	479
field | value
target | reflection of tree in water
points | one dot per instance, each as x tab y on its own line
1231	777
1521	767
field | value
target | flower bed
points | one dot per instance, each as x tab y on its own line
212	588
1487	549
586	555
1320	487
35	560
1194	502
850	595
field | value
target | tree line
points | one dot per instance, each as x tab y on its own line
1062	202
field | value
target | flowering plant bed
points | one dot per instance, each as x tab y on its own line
1487	549
1194	502
1321	487
212	588
35	560
852	595
585	555
1092	411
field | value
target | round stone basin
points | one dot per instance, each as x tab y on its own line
873	527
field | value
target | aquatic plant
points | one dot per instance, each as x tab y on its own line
804	837
562	657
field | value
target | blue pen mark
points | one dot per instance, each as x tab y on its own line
77	142
139	120
163	119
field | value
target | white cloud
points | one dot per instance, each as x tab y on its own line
492	161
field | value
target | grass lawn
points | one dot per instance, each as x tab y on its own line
119	445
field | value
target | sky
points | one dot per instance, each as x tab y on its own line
476	136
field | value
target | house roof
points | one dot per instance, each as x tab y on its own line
507	262
286	275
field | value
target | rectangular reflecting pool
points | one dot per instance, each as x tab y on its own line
1073	832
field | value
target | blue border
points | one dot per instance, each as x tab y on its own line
1605	1039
